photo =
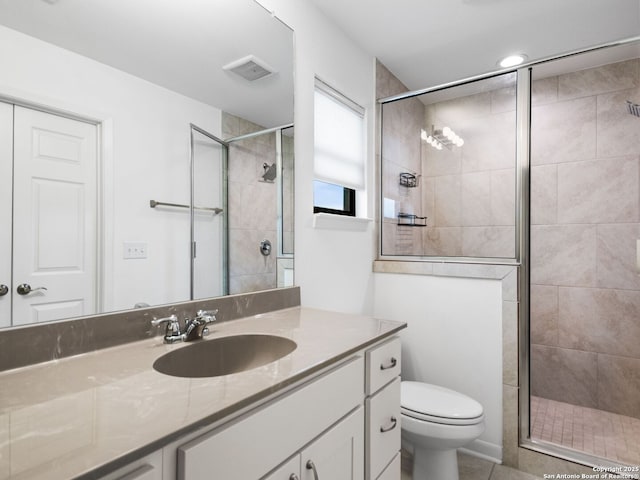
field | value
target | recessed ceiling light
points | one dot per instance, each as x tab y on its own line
512	60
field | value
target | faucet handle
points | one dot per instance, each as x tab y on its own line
208	316
172	333
170	320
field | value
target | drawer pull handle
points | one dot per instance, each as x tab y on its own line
312	466
391	364
294	477
393	425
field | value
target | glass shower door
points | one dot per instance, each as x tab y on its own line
209	265
585	236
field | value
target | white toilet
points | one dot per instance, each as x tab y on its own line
435	422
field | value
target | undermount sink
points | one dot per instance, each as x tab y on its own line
224	355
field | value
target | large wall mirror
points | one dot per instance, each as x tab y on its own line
115	117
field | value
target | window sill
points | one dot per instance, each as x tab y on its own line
340	222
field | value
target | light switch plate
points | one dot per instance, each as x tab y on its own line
134	250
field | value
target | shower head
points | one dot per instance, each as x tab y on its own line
269	174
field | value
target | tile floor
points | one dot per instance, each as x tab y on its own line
592	431
473	468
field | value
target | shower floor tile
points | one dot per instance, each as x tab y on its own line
596	432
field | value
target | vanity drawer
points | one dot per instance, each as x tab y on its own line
147	468
276	431
393	470
383	365
383	428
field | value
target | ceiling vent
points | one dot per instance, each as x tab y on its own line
250	68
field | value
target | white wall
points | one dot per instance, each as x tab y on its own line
332	266
145	154
453	339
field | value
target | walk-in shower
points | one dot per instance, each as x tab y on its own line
545	177
260	198
584	275
239	206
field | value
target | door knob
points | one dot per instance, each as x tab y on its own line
3	290
25	288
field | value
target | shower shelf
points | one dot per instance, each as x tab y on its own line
409	180
411	220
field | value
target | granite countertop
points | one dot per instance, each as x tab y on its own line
91	413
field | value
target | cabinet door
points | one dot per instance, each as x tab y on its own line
339	453
250	447
289	471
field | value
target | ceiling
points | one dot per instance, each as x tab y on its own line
430	42
181	45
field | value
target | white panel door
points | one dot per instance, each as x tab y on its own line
6	160
54	228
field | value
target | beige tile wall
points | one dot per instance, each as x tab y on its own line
401	154
468	193
585	210
252	207
474	200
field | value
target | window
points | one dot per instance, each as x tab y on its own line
339	151
330	198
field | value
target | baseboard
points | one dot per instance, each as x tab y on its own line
485	450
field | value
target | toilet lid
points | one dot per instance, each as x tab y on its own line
438	404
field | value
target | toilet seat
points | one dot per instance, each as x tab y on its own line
432	403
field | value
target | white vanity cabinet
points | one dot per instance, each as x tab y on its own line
255	444
382	449
341	424
336	455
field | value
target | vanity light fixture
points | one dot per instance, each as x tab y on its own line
512	60
442	138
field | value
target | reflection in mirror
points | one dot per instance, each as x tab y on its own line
138	87
260	203
209	221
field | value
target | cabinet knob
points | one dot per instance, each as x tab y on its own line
311	466
3	290
294	477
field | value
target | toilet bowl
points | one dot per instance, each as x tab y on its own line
435	422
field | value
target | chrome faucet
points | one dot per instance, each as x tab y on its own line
172	333
194	329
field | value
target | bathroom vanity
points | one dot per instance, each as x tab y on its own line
330	409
